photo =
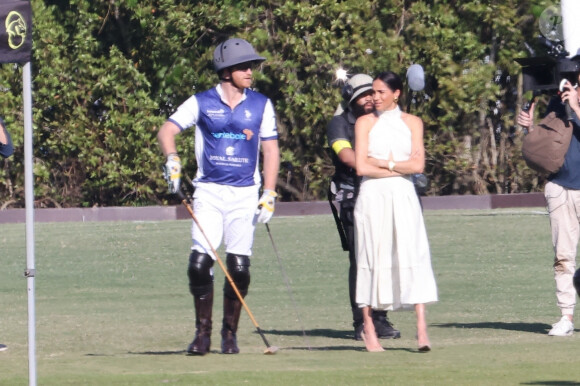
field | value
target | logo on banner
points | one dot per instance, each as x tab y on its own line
16	30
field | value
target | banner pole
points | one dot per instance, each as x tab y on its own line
29	203
16	47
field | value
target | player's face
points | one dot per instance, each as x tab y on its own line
365	102
242	74
383	96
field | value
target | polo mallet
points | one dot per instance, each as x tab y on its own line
288	288
269	349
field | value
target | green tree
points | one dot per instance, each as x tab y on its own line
94	117
107	73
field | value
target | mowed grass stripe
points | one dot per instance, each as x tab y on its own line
113	307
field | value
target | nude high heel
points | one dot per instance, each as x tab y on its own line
379	348
424	345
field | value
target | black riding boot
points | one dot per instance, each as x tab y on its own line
203	308
232	310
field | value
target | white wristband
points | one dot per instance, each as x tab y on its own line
391	165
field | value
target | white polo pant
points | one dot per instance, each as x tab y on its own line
224	212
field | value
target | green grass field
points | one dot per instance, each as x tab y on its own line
113	308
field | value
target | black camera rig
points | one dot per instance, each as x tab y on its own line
543	74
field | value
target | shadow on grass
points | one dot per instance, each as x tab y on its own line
538	328
347	348
328	333
160	353
325	333
180	352
550	383
294	348
321	332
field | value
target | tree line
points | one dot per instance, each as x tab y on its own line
107	74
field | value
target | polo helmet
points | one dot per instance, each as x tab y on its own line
234	51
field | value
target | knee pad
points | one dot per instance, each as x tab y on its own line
239	270
200	273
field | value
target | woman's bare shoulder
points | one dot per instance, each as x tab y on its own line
411	120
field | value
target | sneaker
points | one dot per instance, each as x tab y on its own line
3	347
563	328
384	328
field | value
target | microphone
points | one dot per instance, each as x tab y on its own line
416	82
416	77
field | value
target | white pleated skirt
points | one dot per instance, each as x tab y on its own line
393	259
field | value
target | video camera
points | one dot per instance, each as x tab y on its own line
544	74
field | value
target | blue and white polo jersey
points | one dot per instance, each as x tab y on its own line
227	142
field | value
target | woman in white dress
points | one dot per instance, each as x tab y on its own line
393	258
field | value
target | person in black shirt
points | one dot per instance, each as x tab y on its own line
357	101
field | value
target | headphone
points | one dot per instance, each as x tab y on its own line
347	92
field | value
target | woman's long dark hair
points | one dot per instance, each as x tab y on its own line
392	80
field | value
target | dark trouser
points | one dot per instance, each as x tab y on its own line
347	219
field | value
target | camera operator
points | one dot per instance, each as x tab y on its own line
562	192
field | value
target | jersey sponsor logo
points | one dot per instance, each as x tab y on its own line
229	159
220	113
236	136
249	133
246	134
219	159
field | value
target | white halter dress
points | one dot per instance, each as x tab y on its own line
393	259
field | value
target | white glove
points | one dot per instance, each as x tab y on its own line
172	172
266	206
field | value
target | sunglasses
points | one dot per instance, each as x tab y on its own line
245	66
